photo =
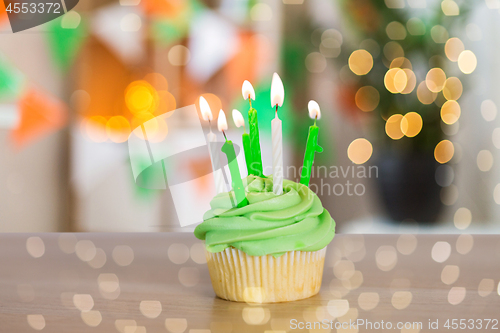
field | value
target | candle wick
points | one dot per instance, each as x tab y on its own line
250	101
315	118
224	135
276	108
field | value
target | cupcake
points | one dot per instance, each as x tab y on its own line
271	250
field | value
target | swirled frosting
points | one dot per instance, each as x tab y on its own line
269	224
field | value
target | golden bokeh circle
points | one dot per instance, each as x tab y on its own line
393	127
411	81
367	98
452	89
360	62
444	151
435	79
450	112
118	129
360	151
395	80
425	96
467	62
453	47
411	124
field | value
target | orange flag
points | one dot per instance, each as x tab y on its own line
167	8
243	66
40	114
3	13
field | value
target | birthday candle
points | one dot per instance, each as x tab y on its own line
245	138
256	164
206	113
277	97
312	144
228	149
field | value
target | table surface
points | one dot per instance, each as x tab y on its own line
137	283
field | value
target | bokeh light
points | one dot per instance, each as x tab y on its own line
367	98
36	321
395	80
393	50
386	257
411	124
449	274
489	110
467	62
441	251
450	112
368	300
35	246
456	295
444	151
360	151
401	299
424	95
462	218
360	62
415	26
140	96
123	255
435	80
118	129
453	47
179	55
450	8
315	62
396	31
406	244
439	34
95	128
484	160
393	127
464	244
411	81
485	287
452	89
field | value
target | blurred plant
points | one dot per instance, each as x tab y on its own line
394	65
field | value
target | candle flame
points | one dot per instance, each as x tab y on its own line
277	91
247	90
222	122
238	118
206	113
314	111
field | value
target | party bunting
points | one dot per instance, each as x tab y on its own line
244	65
11	81
116	26
168	29
40	114
66	36
3	13
214	41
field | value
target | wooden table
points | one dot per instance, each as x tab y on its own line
136	283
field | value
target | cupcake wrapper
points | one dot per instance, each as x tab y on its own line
239	277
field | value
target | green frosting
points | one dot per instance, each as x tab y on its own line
269	224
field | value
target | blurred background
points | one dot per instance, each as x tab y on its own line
408	91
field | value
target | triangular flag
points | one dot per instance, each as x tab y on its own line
167	28
11	81
243	66
166	8
119	28
40	115
214	41
66	35
3	13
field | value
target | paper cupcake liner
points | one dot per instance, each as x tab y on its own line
239	277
